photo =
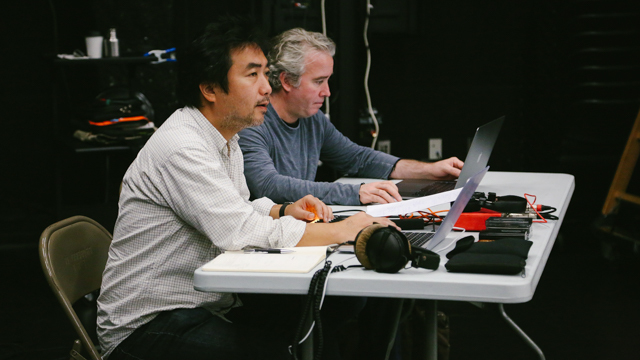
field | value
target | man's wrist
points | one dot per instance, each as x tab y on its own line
283	207
393	169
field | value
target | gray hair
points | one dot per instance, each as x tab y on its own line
288	54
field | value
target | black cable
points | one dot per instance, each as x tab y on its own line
545	212
314	297
548	216
303	316
319	339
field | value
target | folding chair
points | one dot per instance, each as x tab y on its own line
73	254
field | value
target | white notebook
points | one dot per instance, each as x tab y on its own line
301	260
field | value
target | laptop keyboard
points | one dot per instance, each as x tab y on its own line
337	218
418	238
415	238
435	188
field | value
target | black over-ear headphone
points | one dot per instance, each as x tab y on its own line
387	250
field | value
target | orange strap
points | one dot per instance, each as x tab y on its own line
118	120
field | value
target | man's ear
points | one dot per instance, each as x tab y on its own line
285	82
208	91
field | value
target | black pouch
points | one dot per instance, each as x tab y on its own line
508	246
486	264
505	256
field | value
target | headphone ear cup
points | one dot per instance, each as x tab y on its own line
383	249
361	244
388	250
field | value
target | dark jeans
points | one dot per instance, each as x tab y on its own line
261	329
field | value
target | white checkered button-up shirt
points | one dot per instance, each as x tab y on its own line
183	199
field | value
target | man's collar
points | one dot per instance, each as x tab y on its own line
218	140
273	111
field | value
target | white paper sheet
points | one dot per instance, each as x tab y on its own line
411	205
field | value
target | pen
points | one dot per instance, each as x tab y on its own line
269	251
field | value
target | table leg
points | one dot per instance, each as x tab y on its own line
519	331
424	329
396	312
431	328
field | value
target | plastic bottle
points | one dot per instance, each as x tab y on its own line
114	49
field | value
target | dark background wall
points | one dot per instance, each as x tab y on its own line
439	70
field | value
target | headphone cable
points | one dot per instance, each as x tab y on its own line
318	283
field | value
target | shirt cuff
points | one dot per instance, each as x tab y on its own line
292	231
263	205
392	168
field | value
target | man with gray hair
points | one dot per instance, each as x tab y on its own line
281	156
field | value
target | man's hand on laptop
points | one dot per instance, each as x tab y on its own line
446	169
382	192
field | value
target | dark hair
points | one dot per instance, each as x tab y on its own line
207	59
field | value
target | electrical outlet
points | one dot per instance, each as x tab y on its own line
384	146
435	149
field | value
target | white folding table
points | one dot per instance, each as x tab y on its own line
412	283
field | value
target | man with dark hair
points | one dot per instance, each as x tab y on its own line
207	59
281	156
184	200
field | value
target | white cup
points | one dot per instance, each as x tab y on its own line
94	46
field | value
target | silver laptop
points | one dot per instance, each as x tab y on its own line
477	158
431	240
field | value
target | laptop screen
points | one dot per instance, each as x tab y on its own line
480	150
456	209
